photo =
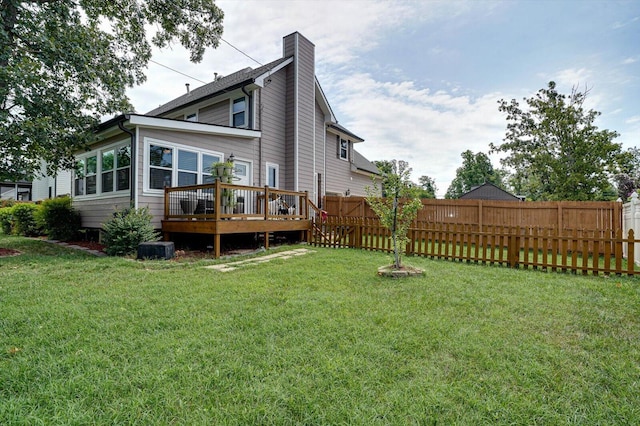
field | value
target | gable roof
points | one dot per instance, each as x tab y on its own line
488	191
223	84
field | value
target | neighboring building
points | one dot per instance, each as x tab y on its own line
489	191
19	191
275	120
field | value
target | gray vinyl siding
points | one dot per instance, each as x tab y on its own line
320	144
217	113
306	114
338	176
273	123
300	107
97	211
359	183
289	166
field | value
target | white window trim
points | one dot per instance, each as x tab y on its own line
98	153
277	169
346	158
174	167
246	111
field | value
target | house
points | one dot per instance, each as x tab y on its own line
489	191
19	190
275	120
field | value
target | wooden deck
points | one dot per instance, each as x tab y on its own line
220	209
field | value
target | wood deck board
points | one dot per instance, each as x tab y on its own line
233	226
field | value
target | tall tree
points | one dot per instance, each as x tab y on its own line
553	148
628	178
427	187
66	63
476	170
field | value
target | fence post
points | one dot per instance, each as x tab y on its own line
635	222
514	248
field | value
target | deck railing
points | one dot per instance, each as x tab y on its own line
216	201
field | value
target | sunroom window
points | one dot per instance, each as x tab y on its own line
170	164
187	168
160	166
103	171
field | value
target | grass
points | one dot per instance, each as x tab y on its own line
317	339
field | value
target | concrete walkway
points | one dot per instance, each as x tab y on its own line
75	247
232	266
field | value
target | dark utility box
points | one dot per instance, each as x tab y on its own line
156	250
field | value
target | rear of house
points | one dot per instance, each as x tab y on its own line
274	121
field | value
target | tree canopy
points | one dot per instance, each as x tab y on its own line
476	170
553	149
64	64
427	187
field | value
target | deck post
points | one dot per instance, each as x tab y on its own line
216	246
266	205
166	202
216	196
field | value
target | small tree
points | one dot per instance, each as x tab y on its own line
399	207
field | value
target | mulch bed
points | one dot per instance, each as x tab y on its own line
5	252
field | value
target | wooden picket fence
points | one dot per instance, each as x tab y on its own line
563	215
595	252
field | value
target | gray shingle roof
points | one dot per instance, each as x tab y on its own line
363	164
215	87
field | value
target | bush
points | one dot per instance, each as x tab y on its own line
126	230
58	218
6	219
24	220
6	202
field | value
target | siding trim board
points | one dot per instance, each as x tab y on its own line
188	126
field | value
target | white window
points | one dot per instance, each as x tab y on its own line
191	117
169	164
187	168
273	170
206	171
344	149
160	166
103	171
239	112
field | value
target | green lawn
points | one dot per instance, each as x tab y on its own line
316	339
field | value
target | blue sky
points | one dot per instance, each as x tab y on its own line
420	80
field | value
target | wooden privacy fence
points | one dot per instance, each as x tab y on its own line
516	247
562	215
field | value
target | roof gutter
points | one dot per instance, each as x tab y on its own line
133	157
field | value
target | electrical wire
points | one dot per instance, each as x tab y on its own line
196	79
257	62
179	72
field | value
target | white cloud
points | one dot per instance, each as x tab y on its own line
430	130
630	60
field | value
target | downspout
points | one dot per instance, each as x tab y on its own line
296	105
134	158
249	107
260	141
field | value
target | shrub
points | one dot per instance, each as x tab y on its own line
126	230
58	218
6	219
24	220
7	202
